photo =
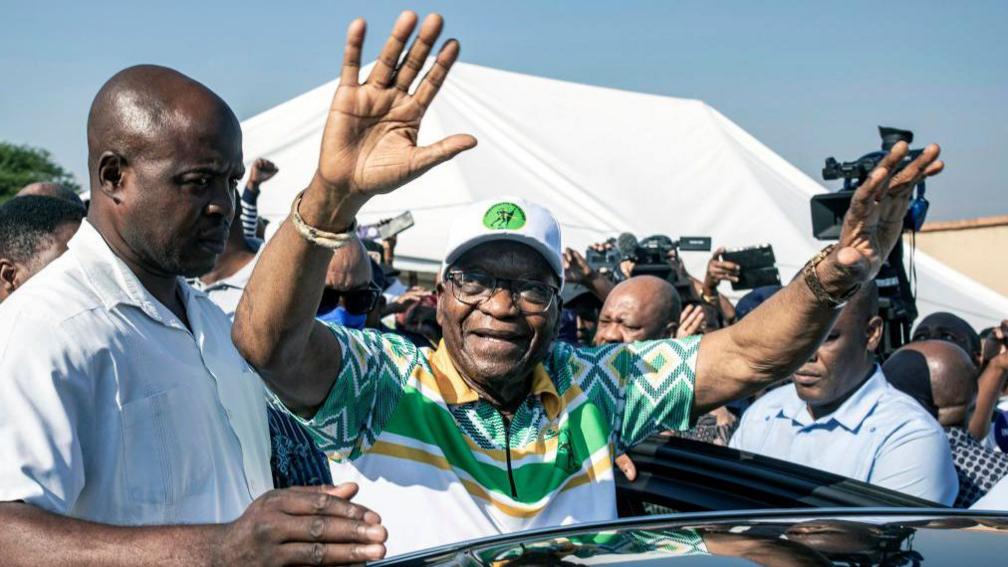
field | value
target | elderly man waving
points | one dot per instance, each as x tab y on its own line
500	427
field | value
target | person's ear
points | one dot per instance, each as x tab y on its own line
8	277
111	172
441	295
670	329
874	331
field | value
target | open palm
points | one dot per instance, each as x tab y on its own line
874	221
369	145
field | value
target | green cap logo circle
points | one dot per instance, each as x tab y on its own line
504	216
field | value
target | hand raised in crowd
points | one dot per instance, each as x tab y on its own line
576	268
369	144
691	321
1000	359
262	170
874	221
719	270
305	525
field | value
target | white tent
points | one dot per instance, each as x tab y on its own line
604	161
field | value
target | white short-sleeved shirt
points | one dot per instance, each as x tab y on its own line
226	293
879	435
113	411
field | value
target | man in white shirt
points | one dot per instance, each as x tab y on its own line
124	401
842	416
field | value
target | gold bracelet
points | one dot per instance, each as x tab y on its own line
331	240
816	286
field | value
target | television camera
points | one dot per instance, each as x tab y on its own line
652	256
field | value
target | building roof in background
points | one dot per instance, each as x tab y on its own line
965	224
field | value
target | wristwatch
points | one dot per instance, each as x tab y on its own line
816	286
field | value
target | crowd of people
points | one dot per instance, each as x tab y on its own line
176	387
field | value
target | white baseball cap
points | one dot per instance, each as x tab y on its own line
506	218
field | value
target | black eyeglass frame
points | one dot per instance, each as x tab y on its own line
372	289
496	286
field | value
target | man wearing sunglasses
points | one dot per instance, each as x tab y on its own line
500	428
354	307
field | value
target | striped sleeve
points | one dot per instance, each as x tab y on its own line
249	213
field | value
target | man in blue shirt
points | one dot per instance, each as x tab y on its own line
842	416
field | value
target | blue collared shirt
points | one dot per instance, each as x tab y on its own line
879	435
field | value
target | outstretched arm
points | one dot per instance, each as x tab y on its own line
368	148
32	536
777	337
295	526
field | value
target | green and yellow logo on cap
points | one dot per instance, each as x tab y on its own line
504	216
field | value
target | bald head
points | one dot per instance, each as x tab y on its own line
164	158
140	106
640	308
55	190
940	369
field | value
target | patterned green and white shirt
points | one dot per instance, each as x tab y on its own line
440	465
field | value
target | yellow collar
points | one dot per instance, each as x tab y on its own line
454	389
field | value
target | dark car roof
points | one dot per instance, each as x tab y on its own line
870	536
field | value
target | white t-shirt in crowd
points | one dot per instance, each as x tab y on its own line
227	292
113	411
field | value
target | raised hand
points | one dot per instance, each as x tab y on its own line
691	321
1000	359
874	221
576	268
719	270
369	145
262	171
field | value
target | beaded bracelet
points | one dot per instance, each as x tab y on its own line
331	240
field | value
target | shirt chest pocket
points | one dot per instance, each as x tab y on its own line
165	452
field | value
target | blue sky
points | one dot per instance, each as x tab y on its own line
809	79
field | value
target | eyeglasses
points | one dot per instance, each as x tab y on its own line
472	288
356	301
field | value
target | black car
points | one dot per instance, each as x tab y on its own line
681	475
695	499
870	536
